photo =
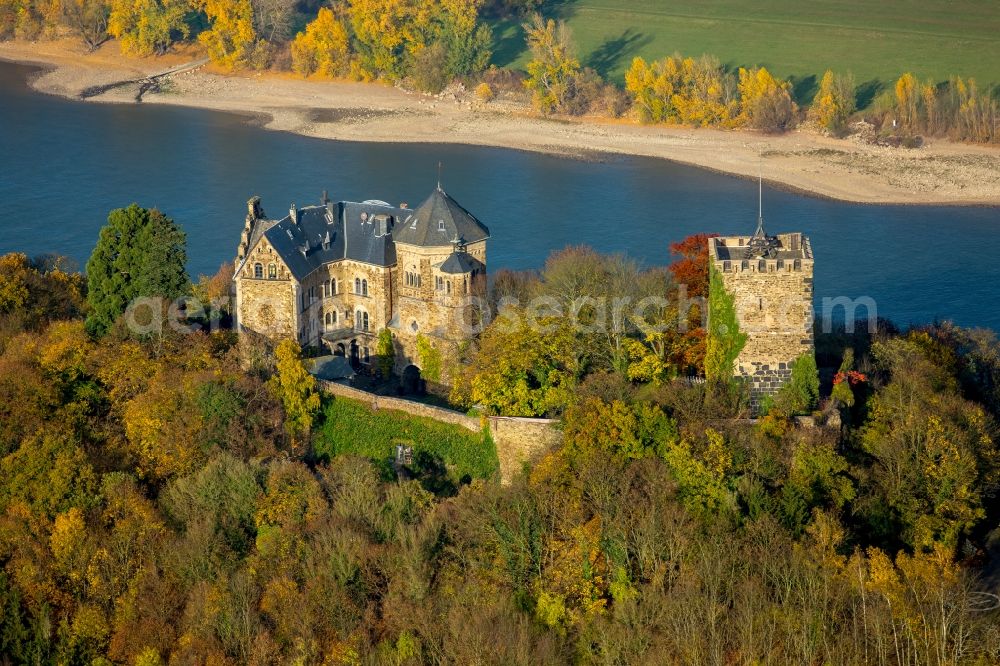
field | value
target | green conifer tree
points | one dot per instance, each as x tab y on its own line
140	252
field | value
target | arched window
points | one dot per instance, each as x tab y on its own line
272	272
361	320
364	287
328	319
333	286
258	271
449	286
357	285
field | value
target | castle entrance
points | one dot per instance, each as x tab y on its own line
411	381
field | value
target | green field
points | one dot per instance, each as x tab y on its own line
353	428
875	40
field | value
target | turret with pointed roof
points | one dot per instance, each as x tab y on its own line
438	221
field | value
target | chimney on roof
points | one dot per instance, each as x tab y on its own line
325	200
254	211
293	213
404	205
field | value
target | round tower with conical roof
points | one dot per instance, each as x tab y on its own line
440	279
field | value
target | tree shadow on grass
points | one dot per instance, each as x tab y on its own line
608	56
508	33
866	93
804	88
508	41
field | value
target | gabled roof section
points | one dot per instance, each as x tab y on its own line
438	221
324	234
460	262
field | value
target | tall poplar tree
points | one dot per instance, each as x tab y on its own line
140	252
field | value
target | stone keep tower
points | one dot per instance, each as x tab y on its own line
770	279
440	273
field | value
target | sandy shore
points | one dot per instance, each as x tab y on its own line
941	172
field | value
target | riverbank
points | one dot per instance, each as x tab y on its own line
941	172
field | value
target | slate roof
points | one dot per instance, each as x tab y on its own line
344	230
438	221
460	262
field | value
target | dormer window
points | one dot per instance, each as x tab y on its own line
258	271
440	225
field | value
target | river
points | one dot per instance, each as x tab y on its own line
64	164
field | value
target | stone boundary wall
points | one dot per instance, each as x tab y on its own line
518	440
403	405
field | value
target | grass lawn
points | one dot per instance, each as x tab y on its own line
875	40
350	426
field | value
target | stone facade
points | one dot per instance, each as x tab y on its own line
439	306
335	275
268	302
772	293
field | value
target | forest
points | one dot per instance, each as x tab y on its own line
426	45
188	496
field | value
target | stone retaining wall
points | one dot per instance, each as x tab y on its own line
522	441
519	441
403	405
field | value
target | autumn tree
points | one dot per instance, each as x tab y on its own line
296	389
834	102
931	449
553	67
36	291
232	40
140	253
273	19
524	366
148	27
88	19
324	47
907	91
682	90
765	102
443	39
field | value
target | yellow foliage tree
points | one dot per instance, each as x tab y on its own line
682	90
553	66
324	48
163	427
296	389
232	41
907	95
834	102
765	102
146	27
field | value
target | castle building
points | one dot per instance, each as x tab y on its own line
770	279
334	275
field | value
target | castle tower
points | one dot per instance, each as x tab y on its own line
440	270
770	282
